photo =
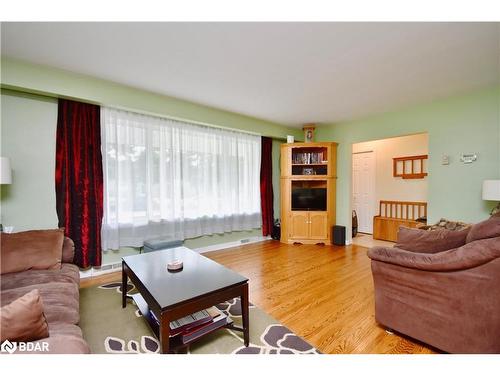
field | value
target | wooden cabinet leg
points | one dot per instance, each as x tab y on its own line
244	314
164	333
124	286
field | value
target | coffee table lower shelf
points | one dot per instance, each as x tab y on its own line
176	343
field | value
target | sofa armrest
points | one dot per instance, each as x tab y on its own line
68	250
468	256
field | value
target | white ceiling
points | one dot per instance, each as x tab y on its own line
290	73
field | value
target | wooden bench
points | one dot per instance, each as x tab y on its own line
395	214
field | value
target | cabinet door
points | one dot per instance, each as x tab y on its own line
299	225
318	222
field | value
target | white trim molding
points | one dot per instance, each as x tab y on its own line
233	244
114	267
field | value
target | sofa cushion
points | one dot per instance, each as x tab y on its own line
422	241
23	319
68	250
68	273
470	255
60	299
66	329
34	249
485	229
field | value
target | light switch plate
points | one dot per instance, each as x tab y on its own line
445	160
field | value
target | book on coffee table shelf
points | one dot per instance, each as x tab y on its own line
191	322
192	334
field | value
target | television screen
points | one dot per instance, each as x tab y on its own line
309	199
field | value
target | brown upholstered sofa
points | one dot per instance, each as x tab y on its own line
447	298
59	291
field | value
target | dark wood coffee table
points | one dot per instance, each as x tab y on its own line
171	295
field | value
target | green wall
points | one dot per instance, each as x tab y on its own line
22	76
28	133
28	126
462	124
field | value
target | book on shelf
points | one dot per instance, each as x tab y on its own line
308	158
191	321
196	332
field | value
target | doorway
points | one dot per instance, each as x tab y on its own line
376	176
363	189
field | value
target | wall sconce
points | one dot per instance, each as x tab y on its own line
491	192
5	171
5	177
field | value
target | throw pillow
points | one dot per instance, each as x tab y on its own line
485	229
34	249
422	241
23	319
68	250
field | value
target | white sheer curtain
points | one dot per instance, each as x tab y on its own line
169	178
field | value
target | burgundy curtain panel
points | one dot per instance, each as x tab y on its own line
266	185
79	179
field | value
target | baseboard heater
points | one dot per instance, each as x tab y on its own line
107	268
113	267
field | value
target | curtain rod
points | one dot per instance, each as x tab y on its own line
169	117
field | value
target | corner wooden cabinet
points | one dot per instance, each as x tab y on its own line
308	189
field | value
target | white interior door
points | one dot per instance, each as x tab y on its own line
363	189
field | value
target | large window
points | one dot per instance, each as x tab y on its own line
170	178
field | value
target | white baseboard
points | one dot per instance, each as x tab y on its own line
114	267
107	268
227	245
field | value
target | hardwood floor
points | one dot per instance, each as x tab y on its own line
102	279
322	293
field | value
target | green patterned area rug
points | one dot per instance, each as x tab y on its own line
110	329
